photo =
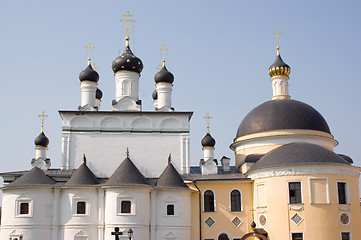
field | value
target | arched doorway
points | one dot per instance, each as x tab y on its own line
253	234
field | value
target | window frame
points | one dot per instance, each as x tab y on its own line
346	193
288	192
310	190
303	234
240	199
214	200
345	232
77	199
265	195
18	203
171	204
119	201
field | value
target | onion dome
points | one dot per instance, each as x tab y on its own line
98	94
41	140
208	141
279	67
155	95
280	115
89	74
296	154
127	61
164	75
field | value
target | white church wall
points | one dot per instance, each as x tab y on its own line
139	217
179	224
37	224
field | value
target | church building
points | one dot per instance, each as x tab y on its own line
126	173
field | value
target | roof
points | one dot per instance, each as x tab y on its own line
170	179
232	175
34	177
127	174
82	176
296	154
280	115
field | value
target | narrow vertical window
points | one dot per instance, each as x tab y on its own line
235	201
126	206
170	209
297	236
345	236
208	201
295	196
24	208
80	207
341	189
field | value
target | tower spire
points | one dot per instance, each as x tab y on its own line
43	117
278	43
89	47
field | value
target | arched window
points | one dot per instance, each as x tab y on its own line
223	236
235	201
208	201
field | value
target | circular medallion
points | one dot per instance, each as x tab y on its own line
344	218
262	220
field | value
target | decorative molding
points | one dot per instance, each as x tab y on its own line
348	208
305	170
295	208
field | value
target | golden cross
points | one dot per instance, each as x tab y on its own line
89	47
42	116
208	118
159	67
127	21
164	50
278	43
95	67
253	210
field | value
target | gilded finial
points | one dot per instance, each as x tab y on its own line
278	43
42	116
89	47
127	19
208	118
164	50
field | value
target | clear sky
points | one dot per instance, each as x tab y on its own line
219	53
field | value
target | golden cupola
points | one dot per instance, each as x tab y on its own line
279	67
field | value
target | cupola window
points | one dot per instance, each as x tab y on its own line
208	201
24	208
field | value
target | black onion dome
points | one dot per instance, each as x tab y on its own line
279	67
296	154
127	61
155	95
208	141
89	74
280	115
98	94
41	140
164	76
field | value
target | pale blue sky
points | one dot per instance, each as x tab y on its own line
219	53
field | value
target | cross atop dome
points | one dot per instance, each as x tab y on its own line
208	117
127	20
43	116
89	47
278	43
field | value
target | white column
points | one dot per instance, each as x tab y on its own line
126	85
280	87
101	209
164	91
88	89
183	154
56	210
153	214
64	149
187	170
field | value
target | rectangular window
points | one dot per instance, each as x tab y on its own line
261	195
294	189
345	236
297	236
24	208
125	206
170	209
318	190
342	192
80	207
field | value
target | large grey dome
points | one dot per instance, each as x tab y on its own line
282	114
295	154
